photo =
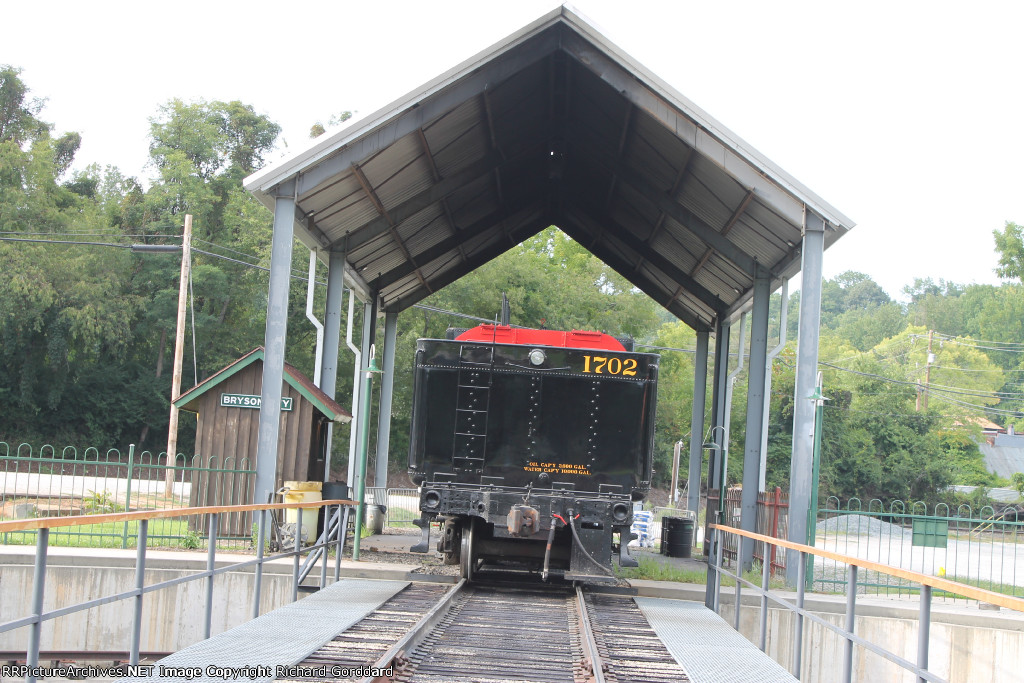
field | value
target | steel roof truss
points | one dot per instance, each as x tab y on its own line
623	267
488	253
422	200
626	236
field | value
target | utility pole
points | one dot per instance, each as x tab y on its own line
928	370
922	393
179	350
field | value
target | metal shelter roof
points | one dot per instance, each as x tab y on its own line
554	125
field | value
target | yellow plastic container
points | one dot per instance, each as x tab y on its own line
303	492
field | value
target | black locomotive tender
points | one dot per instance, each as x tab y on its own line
530	446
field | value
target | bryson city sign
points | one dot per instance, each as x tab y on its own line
250	401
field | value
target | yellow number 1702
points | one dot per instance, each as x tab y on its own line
601	365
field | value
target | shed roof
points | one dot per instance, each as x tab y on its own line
554	125
190	399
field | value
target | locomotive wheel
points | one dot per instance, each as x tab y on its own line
451	538
467	563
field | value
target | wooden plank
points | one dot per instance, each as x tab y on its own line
963	589
303	452
245	445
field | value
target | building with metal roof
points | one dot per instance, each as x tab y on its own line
553	125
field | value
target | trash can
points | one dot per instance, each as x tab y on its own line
332	490
306	519
676	536
375	518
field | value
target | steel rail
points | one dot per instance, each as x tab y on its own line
396	654
591	657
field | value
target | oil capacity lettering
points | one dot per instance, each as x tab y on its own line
604	365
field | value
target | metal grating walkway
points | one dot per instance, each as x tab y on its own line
282	637
707	647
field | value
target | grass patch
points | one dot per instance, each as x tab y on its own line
168	533
653	570
1004	588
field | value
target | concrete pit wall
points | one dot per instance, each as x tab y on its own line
967	644
172	617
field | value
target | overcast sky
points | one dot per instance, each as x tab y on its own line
906	116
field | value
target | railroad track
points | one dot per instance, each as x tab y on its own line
491	634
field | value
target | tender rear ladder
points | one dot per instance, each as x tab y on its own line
471	405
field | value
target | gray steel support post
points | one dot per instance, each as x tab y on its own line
273	344
806	376
295	558
716	435
140	583
365	401
798	621
38	584
766	577
736	605
211	564
326	511
332	340
924	622
719	382
851	623
755	414
387	381
261	539
700	381
783	321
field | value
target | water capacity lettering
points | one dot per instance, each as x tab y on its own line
558	468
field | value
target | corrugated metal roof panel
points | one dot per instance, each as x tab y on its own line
430	219
431	233
400	173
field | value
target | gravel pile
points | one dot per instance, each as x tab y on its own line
865	525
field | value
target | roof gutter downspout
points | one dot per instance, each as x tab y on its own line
783	317
312	318
355	387
729	382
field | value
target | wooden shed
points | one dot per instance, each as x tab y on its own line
227	404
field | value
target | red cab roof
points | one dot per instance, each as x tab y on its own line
575	339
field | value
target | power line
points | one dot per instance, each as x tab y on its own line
253	265
79	234
88	244
935	387
956	339
221	246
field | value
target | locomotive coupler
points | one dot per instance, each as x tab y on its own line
523	520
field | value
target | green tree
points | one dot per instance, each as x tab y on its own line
1010	248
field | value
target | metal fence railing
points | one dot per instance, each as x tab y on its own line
854	568
32	612
403	508
982	547
772	520
52	482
